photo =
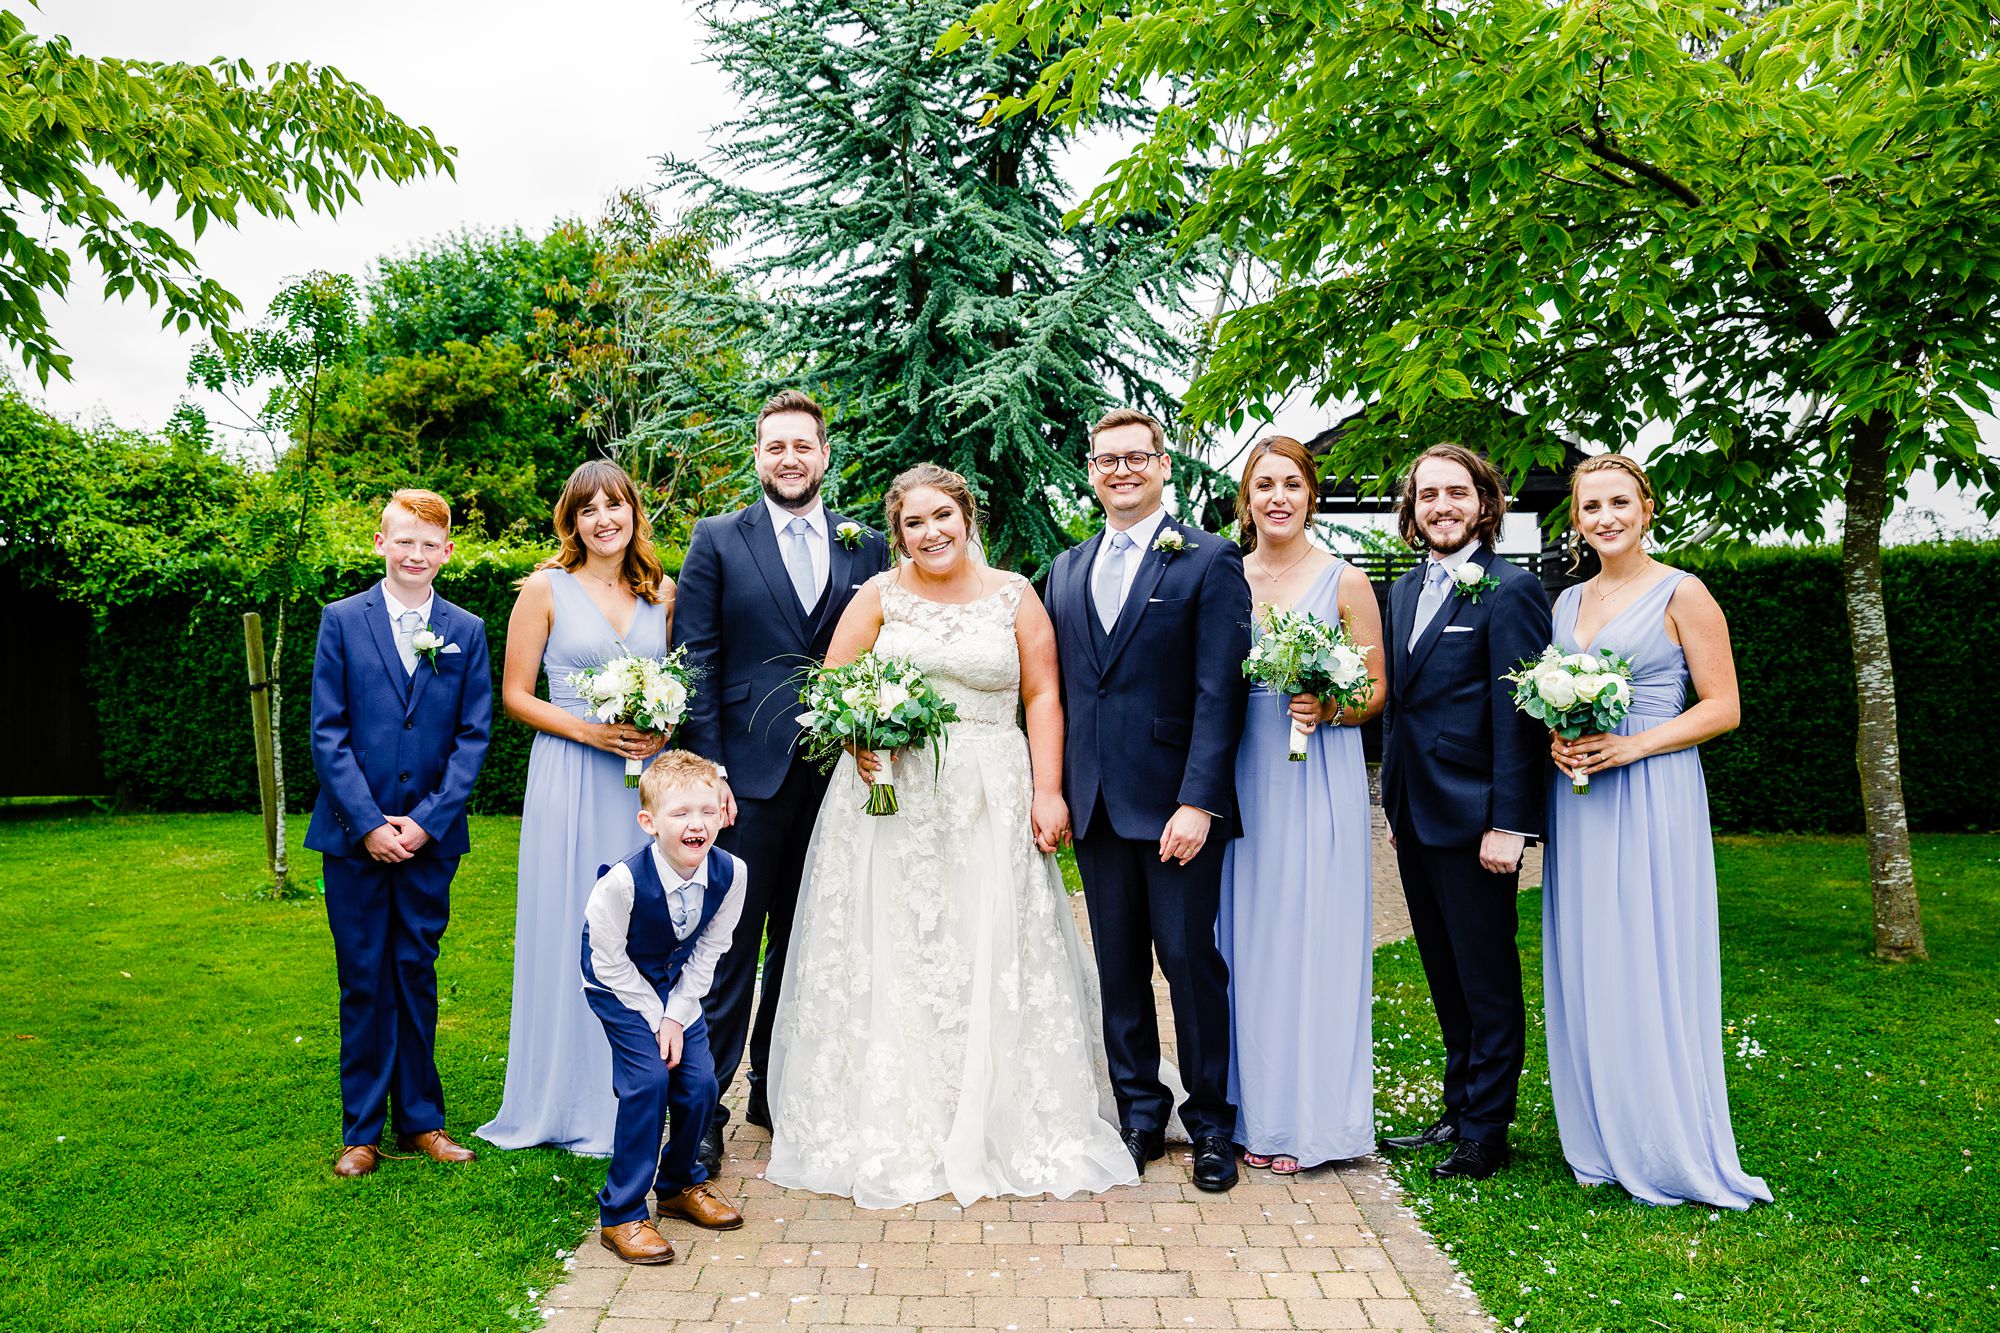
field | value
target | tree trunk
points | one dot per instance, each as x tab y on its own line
281	886
1899	927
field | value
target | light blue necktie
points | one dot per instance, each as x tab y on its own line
799	563
1108	589
407	625
1429	600
681	909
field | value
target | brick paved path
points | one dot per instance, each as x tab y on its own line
1329	1249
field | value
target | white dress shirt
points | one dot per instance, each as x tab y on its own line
609	915
396	610
1142	534
816	540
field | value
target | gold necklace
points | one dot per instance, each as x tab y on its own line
1264	572
1622	583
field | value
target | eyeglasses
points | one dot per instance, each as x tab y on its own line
1132	462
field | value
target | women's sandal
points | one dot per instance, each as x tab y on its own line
1258	1160
1284	1166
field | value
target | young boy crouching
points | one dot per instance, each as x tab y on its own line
654	928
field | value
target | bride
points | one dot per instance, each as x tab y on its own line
938	1032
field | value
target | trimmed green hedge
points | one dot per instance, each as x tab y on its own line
169	678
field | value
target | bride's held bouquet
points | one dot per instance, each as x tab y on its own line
1298	653
873	703
650	693
1575	694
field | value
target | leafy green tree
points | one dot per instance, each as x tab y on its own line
1767	224
217	139
310	329
470	286
910	264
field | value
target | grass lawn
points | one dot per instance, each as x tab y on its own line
1864	1094
169	1100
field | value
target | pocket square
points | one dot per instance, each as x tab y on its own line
450	648
1458	629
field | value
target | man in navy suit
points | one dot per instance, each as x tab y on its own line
1464	782
1152	625
402	708
759	595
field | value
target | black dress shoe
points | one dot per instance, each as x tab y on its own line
1472	1161
758	1111
1214	1163
1145	1145
1441	1130
710	1152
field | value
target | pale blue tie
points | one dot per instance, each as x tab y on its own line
1108	589
799	562
681	908
1430	599
407	626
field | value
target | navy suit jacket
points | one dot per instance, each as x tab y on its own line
1457	757
1153	712
386	743
737	615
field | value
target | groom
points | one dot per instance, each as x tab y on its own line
1464	781
759	596
1152	624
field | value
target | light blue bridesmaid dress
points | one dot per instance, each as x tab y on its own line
576	815
1297	929
1630	954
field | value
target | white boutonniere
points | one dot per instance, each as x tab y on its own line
1171	542
850	535
427	643
1470	580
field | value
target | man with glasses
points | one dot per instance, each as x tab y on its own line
759	596
1152	625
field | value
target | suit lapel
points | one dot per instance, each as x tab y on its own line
1077	594
763	544
376	610
440	626
1152	568
1453	604
839	573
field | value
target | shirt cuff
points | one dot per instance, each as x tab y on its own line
682	1010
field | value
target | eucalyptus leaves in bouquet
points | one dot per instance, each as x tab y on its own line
1298	653
875	703
1574	694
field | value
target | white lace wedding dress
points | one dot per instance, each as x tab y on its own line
939	1028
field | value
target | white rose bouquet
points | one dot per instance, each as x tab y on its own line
1575	694
1298	653
873	703
650	693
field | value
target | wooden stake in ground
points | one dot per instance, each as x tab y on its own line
260	728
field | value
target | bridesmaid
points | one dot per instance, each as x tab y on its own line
1630	958
1296	925
602	595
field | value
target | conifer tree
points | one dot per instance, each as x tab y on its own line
908	263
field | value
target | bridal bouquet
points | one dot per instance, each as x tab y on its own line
1576	694
1299	653
873	703
650	693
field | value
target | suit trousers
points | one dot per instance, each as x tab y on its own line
387	919
1465	918
771	835
649	1096
1138	904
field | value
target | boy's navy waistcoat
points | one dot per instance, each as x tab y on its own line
650	940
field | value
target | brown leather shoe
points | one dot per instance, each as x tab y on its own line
702	1205
637	1243
436	1145
357	1159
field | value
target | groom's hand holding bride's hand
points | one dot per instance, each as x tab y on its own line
1049	816
1185	834
672	1037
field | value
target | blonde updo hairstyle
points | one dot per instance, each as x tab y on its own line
954	487
1284	446
1608	463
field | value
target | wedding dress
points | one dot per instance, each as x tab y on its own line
939	1030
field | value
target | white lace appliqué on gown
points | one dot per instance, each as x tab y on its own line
939	1027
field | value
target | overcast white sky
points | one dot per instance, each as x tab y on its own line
552	108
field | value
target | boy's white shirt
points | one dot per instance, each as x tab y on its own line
609	915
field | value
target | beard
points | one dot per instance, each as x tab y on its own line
1467	532
807	492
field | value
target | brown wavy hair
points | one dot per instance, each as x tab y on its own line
1284	446
642	570
1486	484
954	486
